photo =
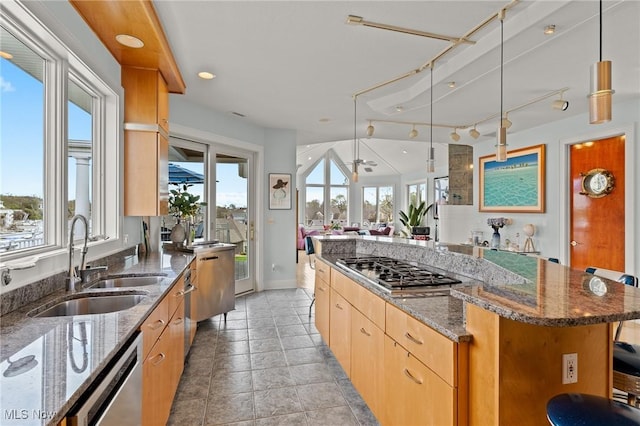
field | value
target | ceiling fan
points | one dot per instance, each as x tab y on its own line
366	164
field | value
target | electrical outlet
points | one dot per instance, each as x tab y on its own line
569	368
126	238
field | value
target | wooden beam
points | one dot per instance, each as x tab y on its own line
137	18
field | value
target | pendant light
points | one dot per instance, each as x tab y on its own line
501	146
354	174
431	161
601	93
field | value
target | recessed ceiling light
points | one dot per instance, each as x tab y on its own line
5	55
399	108
451	84
309	158
404	151
324	120
206	75
129	41
550	29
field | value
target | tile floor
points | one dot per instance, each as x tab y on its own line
267	365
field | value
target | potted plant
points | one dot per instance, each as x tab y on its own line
183	206
413	217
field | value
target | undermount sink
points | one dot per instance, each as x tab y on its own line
93	304
126	282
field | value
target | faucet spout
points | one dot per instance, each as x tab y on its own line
72	279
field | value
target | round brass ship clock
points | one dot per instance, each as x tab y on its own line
597	183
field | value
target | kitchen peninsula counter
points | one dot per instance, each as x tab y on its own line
517	315
44	394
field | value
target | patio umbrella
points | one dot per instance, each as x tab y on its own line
178	175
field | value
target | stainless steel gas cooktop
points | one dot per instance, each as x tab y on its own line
399	277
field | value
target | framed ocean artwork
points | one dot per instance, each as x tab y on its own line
516	185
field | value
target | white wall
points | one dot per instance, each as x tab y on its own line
552	226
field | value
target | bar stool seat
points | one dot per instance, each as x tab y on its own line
626	370
578	409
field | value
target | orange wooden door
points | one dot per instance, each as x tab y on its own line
597	230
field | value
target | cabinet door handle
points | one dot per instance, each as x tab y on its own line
321	288
189	290
365	332
412	377
156	325
209	258
158	359
177	321
413	339
338	306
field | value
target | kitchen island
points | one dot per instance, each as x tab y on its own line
510	323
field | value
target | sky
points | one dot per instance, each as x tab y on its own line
22	152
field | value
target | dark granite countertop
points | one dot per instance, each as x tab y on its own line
522	288
66	363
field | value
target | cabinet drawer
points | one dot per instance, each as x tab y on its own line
340	330
340	283
153	326
176	295
366	302
323	271
430	347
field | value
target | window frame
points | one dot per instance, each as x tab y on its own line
377	188
328	157
61	64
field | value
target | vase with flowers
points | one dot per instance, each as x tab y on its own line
496	223
184	206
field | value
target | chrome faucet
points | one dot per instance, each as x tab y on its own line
73	278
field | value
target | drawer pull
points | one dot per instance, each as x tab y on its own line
177	321
413	339
338	306
365	332
209	258
412	377
158	359
156	325
321	288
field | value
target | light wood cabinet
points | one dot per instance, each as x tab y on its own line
146	97
340	330
193	324
163	337
146	146
322	293
367	361
413	394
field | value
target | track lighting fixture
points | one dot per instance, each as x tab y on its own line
370	129
601	93
454	135
506	123
413	133
474	133
501	146
560	104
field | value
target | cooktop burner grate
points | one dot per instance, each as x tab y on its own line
396	274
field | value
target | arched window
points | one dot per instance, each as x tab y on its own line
326	192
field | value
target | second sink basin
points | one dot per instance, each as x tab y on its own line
126	282
88	305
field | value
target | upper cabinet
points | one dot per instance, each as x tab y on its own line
146	99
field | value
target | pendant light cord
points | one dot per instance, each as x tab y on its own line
431	112
355	142
600	30
501	66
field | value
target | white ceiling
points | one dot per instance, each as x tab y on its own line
289	64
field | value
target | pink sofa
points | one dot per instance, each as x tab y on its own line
303	233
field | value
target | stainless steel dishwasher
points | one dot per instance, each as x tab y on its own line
116	398
215	293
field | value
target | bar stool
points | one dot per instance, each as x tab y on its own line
309	250
578	409
626	356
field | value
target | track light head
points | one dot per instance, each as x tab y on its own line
413	133
454	136
560	104
506	123
370	130
474	133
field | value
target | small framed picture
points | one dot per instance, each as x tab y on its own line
279	191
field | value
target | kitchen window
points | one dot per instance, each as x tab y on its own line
56	120
377	204
327	193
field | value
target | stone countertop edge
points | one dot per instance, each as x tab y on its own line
443	314
18	331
